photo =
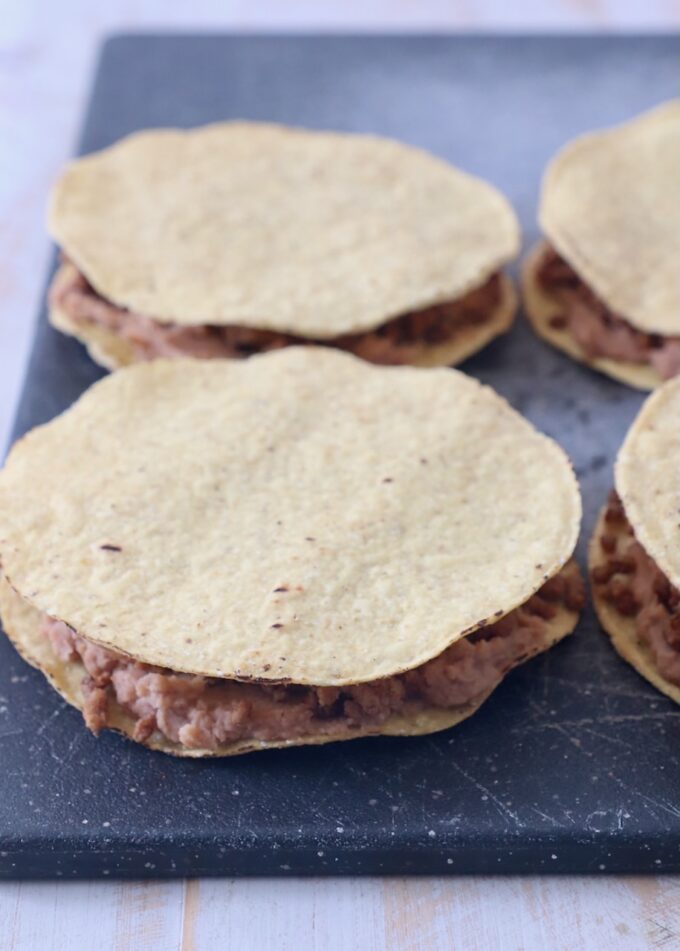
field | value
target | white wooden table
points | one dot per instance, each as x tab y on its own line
47	52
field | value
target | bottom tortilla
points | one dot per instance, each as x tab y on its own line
112	351
540	308
22	622
621	629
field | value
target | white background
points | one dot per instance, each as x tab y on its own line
47	54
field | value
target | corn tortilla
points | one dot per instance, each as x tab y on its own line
647	478
401	508
312	233
610	205
621	629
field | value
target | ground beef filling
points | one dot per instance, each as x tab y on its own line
631	581
397	341
598	331
203	713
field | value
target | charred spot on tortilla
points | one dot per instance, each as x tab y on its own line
603	285
371	637
633	555
373	246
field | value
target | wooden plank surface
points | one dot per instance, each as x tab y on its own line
47	53
426	914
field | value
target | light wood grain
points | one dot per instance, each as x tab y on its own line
315	914
417	914
56	916
46	55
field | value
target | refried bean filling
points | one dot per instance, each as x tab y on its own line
637	588
596	329
398	341
204	713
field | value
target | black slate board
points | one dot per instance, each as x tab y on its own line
573	765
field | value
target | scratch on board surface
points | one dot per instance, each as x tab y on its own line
503	810
552	819
649	801
42	731
563	729
606	687
57	712
606	720
10	733
68	756
611	820
608	738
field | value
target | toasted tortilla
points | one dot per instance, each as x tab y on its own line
647	476
540	308
610	205
621	629
22	625
399	508
311	233
113	351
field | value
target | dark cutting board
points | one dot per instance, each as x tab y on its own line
574	764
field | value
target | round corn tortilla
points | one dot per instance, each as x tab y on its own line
647	476
399	509
541	307
312	233
22	625
610	205
113	351
621	629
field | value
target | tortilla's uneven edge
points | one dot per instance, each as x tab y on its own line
621	629
106	348
112	351
363	228
540	308
610	205
21	623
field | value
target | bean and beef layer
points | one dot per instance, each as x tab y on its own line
637	588
204	713
596	329
395	342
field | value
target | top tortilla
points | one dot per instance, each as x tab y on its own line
648	478
312	233
610	205
400	508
